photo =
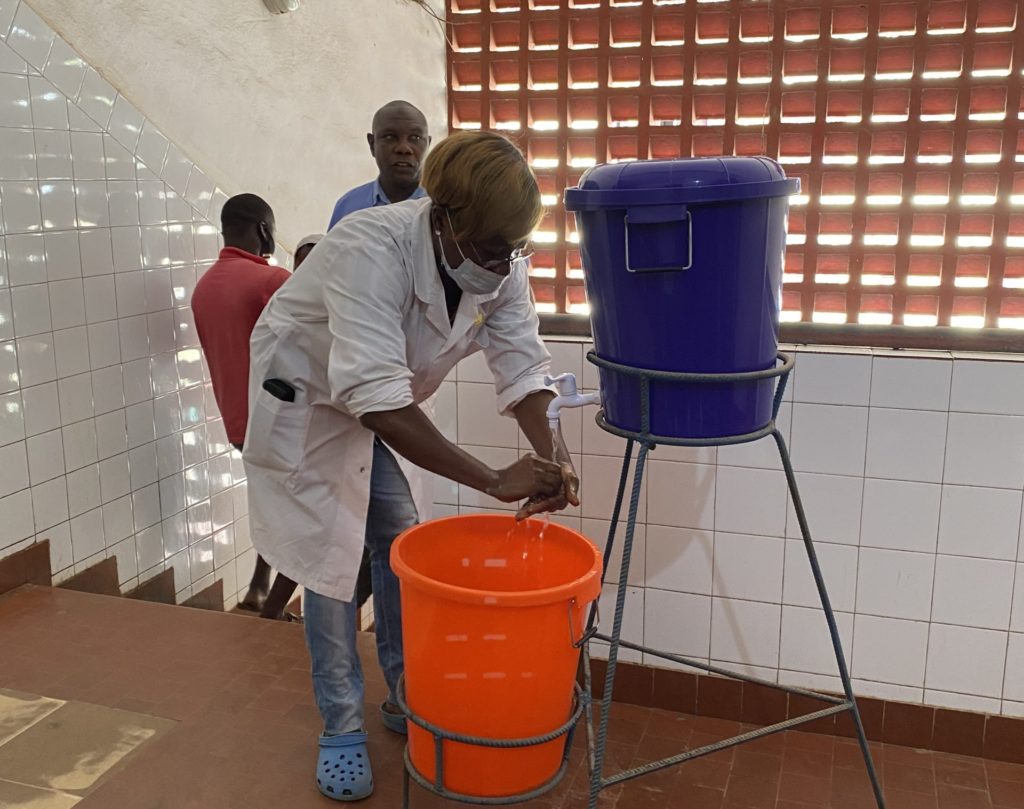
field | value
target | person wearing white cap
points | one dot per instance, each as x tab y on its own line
305	247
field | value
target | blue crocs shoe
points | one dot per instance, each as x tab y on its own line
394	720
343	767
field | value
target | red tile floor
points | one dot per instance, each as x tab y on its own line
246	727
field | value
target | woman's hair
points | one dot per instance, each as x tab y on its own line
487	186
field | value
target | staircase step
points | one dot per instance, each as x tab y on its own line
28	566
211	598
159	589
100	579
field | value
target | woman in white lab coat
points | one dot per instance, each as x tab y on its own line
343	356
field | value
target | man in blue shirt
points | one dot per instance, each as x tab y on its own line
398	142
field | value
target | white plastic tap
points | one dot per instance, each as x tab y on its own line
567	396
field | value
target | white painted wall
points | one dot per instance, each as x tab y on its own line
275	105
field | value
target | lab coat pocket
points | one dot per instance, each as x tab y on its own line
276	439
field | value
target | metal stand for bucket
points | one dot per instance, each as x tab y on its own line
443	737
647	442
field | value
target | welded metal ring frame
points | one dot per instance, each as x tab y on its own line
597	737
580	707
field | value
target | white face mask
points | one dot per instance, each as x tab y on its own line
469	276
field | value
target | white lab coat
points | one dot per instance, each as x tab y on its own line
362	328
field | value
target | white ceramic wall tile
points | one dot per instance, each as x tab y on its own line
15	103
36	363
65	68
679	559
67	304
126	123
127	560
199	190
988	387
900	515
745	632
123	203
600	480
41	408
9	367
677	623
805	643
53	157
6	316
57	204
8	8
832	505
748	567
973	592
176	169
830	439
63	256
80	444
115	477
16	517
985	450
49	108
978	521
1017	615
839	567
479	423
13	468
50	503
45	456
26	259
83	490
681	495
895	584
750	501
633	621
134	339
30	37
76	403
966	660
597	532
17	154
1013	687
127	249
152	147
149	546
118	162
21	211
104	344
31	306
839	379
12	418
61	553
889	650
906	445
87	534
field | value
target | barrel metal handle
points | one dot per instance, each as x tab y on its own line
588	634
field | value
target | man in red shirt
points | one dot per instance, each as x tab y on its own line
226	303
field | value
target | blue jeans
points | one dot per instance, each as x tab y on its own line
331	624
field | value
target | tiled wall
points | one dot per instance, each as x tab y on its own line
110	441
911	467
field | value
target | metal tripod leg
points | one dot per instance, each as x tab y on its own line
826	605
597	765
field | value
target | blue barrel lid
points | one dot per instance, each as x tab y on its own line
690	181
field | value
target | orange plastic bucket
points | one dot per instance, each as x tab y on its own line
490	612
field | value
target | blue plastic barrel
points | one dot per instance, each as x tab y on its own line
683	262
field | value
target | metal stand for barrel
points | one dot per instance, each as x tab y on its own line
647	441
442	738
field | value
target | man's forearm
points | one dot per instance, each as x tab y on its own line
532	415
